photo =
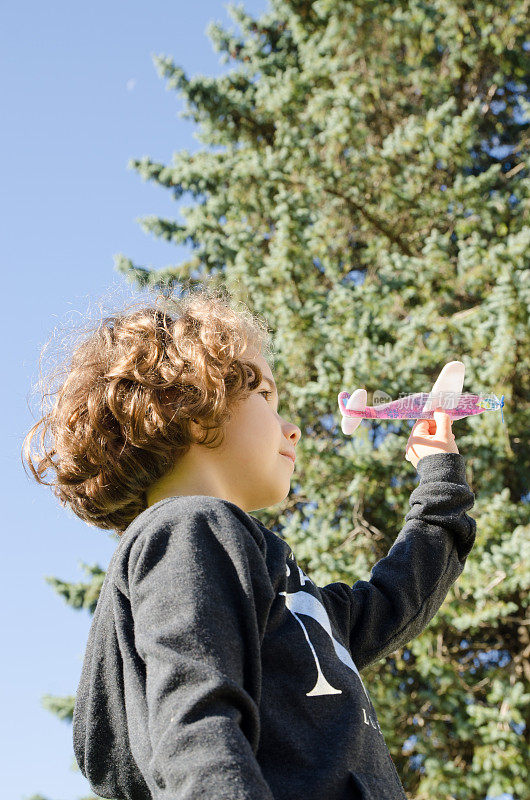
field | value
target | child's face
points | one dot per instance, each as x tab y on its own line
247	469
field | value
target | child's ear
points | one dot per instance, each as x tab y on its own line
196	428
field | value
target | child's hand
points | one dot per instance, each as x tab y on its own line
430	436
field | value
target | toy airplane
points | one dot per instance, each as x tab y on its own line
445	394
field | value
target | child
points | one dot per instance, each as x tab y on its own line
214	666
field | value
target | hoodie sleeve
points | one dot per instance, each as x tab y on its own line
197	582
409	585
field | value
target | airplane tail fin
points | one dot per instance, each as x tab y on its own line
357	401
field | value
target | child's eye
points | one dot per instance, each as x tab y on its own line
265	392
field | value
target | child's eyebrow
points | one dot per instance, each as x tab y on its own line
271	384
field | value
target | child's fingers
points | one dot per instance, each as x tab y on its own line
423	424
420	426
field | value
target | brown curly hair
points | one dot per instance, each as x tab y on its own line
128	391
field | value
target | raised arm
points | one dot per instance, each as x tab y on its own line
409	585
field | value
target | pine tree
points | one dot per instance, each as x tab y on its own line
368	194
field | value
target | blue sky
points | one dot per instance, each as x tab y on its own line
80	96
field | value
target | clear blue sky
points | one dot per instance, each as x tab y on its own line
80	96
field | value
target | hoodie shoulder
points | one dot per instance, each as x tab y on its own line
190	512
184	557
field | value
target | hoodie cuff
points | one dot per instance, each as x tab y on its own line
442	466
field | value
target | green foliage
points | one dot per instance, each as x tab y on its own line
80	595
364	186
62	707
42	797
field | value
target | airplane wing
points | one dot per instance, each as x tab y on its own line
450	381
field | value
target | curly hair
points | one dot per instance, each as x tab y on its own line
128	392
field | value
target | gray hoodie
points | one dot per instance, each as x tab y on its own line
215	667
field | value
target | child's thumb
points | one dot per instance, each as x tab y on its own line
443	423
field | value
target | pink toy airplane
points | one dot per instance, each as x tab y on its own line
445	394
